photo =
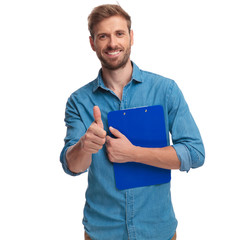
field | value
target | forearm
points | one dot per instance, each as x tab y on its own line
158	157
78	160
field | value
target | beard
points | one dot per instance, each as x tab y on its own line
114	64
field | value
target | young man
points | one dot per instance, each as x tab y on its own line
138	213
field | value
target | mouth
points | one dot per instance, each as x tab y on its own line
114	53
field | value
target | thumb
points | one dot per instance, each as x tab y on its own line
115	132
97	116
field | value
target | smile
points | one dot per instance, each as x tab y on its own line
113	54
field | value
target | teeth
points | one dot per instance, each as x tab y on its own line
113	53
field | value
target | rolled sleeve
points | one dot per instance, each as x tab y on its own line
75	130
183	156
186	137
64	163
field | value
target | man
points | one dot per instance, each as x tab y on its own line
138	213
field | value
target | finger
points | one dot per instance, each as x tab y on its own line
93	149
98	131
108	138
108	143
97	116
93	146
99	141
110	157
95	133
115	132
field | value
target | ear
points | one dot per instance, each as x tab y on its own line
131	36
92	43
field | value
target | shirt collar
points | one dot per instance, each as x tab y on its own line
136	76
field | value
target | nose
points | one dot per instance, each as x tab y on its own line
112	42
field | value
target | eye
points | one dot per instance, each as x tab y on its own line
102	36
120	34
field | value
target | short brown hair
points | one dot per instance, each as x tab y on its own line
105	11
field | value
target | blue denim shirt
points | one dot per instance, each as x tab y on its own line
139	213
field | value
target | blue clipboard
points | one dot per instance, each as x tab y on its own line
144	127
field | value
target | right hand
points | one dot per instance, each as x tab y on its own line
95	137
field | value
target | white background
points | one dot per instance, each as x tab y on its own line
45	56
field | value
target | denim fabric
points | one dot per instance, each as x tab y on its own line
138	213
86	237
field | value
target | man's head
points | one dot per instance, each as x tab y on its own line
106	11
111	35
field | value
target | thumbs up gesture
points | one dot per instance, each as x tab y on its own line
95	137
97	116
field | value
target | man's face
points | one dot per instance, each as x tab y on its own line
112	42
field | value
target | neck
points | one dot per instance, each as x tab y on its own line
117	79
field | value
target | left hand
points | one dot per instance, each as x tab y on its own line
119	149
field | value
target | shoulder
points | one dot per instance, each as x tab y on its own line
83	92
157	80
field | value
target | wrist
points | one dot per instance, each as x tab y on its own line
80	145
137	154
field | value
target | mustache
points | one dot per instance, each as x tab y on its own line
112	49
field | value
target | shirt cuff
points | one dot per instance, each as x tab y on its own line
184	156
65	166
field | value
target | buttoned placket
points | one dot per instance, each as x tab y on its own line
130	214
129	194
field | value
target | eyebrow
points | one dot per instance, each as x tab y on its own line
120	30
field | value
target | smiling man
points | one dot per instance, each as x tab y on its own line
112	42
140	213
